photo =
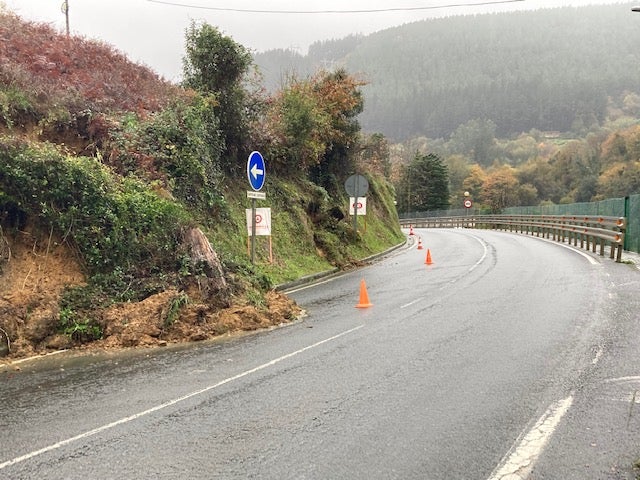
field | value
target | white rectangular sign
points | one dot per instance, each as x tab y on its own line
362	205
258	195
263	221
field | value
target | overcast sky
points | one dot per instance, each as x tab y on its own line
152	33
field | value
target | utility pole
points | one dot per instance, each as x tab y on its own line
65	10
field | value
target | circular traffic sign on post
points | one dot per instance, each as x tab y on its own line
356	186
468	203
256	171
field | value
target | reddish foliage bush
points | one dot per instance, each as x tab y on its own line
76	72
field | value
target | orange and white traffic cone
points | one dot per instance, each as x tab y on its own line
428	260
410	230
364	296
420	247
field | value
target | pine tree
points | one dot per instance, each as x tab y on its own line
425	185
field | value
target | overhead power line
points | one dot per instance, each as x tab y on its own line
370	10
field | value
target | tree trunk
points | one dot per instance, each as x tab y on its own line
204	258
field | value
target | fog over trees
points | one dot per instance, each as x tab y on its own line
523	108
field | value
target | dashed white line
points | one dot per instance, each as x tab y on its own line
520	459
411	303
164	405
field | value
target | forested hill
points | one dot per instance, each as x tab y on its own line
553	70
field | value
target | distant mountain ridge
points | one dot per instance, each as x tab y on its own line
553	70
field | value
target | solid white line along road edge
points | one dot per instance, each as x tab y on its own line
162	406
591	260
520	459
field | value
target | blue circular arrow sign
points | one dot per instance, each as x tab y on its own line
256	170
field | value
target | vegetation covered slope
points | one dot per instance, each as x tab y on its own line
122	197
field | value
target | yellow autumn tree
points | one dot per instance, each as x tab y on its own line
500	188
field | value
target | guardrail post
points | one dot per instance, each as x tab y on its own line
619	255
626	215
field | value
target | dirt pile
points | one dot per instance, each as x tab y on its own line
35	271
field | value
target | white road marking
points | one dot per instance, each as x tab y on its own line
630	398
456	280
28	359
484	254
313	284
631	379
162	406
599	353
591	259
632	382
411	303
520	459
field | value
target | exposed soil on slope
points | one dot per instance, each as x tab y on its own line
34	273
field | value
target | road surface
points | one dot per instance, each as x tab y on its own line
509	357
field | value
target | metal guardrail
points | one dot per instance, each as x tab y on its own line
591	231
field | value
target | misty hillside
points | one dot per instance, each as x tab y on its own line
552	70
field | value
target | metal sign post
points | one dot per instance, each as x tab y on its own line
356	186
262	220
467	205
253	230
358	205
256	173
355	217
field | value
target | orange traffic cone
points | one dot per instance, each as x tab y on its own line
364	296
428	259
420	243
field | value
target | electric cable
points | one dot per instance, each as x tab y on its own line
315	12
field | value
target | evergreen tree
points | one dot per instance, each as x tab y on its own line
424	185
217	65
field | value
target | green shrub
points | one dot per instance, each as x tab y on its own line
177	303
112	222
78	328
180	146
15	106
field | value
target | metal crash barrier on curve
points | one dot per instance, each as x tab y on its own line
590	232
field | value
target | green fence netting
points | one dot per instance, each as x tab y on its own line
613	207
632	239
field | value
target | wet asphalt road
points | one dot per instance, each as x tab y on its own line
442	378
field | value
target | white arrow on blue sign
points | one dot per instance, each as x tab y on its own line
256	170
